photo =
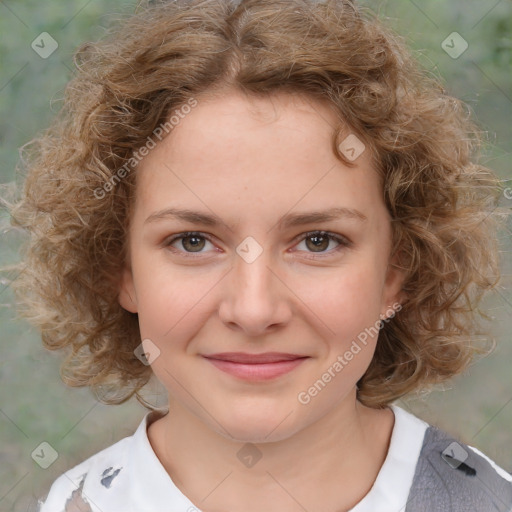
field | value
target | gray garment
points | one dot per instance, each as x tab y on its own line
451	477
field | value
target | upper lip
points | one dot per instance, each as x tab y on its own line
246	358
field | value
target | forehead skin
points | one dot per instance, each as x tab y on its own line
251	160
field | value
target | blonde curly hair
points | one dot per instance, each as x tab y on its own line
440	200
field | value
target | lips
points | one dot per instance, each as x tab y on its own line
246	358
255	367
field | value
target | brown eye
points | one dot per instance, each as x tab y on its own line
188	243
319	243
193	243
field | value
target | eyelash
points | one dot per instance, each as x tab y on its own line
342	241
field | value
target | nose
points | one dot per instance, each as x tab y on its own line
255	299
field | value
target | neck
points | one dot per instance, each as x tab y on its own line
333	461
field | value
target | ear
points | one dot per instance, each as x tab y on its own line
392	293
127	296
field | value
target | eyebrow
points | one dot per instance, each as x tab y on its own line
287	221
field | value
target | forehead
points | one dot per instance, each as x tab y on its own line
274	151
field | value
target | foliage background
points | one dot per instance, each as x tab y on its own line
34	404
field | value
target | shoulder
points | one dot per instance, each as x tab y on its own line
451	475
75	489
125	477
109	479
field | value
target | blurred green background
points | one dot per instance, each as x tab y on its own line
35	406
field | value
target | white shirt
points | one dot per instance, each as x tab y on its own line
129	477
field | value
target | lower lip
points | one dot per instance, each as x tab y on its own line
255	372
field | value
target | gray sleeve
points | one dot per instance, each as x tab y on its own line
450	477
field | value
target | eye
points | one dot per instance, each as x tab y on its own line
319	241
315	242
189	242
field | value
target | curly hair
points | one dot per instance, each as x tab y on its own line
165	54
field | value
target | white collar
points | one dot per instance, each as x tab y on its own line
389	492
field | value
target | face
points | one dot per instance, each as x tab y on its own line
249	311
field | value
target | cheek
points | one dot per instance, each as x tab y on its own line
348	300
172	304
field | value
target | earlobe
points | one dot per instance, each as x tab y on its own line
127	297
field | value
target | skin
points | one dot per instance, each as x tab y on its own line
251	161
